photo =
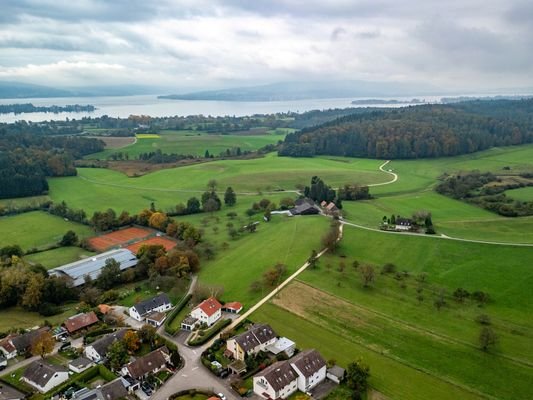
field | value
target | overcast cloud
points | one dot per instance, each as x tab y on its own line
196	44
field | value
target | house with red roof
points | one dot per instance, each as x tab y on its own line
80	321
233	307
207	312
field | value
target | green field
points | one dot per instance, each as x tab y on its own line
397	335
522	194
57	257
37	229
18	318
98	189
191	143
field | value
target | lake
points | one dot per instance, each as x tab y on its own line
124	106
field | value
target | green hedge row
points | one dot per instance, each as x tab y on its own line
209	333
183	302
84	377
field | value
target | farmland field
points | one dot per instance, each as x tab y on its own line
522	194
37	229
191	143
397	335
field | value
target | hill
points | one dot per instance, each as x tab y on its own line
424	131
307	90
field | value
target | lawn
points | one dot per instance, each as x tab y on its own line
17	318
57	257
37	229
192	142
283	240
130	296
98	189
522	194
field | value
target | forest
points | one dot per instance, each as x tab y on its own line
30	108
423	131
27	159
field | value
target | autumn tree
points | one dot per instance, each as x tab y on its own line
147	334
131	341
158	220
33	294
367	275
273	276
43	344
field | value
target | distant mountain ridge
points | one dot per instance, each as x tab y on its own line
19	90
285	91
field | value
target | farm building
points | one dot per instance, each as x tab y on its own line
305	207
77	271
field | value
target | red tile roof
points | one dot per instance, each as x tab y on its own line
80	321
210	306
233	305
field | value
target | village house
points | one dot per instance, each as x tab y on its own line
151	363
80	364
207	312
7	348
9	393
403	224
23	342
251	342
80	321
303	372
160	304
97	351
44	376
114	390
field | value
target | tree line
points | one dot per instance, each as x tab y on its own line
423	131
27	159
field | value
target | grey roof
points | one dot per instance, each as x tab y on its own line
304	207
9	393
256	335
308	362
40	372
337	371
23	342
146	306
279	375
80	362
102	345
113	390
93	265
145	364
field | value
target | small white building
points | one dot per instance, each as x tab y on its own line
336	374
7	349
80	364
251	342
44	376
160	303
282	346
208	311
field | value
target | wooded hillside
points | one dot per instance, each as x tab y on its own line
418	132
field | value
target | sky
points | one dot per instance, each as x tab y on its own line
199	44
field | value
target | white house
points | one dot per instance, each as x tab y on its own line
208	311
97	351
278	381
256	339
403	224
7	348
160	303
303	372
44	376
310	367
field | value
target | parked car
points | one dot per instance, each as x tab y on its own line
65	345
221	396
224	373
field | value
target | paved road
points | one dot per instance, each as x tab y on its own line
394	176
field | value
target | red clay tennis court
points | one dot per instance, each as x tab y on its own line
119	238
166	243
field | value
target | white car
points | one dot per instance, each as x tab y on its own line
221	396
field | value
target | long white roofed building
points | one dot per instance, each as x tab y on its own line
92	266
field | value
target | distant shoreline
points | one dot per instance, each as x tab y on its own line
30	108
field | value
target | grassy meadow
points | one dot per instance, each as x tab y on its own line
37	229
191	143
522	194
57	257
400	337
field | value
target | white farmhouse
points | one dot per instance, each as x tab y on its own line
208	311
160	304
44	376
